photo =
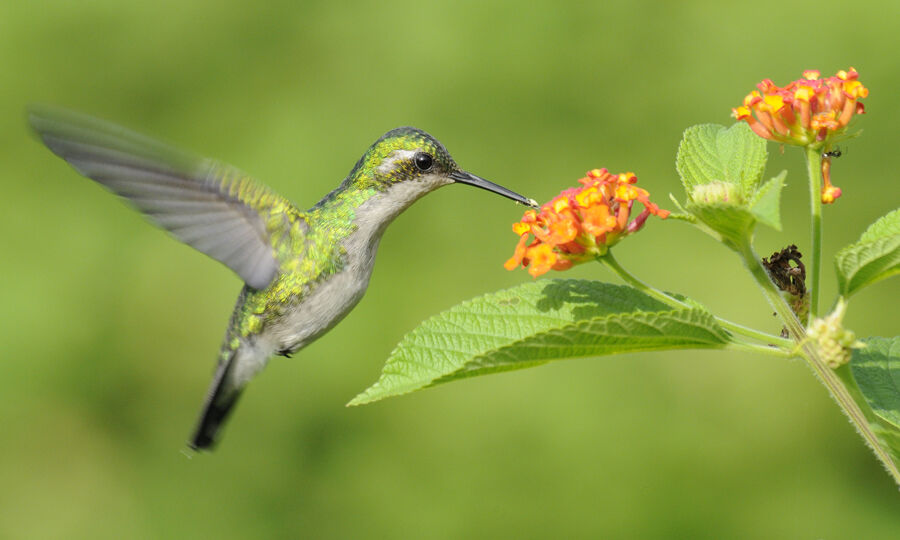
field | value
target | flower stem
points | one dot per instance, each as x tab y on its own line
810	352
814	168
626	276
761	349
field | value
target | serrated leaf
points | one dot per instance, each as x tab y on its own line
535	323
747	159
697	143
633	332
875	257
886	226
876	372
732	222
876	369
713	153
863	264
766	203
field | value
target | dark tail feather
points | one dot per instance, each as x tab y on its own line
218	405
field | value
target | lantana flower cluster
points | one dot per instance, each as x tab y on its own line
808	111
581	223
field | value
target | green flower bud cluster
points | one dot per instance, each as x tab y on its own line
835	343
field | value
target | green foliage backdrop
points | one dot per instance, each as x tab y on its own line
108	329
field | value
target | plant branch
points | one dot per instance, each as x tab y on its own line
762	349
632	280
809	351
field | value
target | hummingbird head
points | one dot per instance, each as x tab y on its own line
407	162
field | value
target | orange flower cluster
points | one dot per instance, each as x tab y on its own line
806	112
581	224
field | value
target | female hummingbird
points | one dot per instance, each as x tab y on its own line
303	271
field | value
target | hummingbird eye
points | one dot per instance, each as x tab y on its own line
423	161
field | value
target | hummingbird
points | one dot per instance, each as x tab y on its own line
303	270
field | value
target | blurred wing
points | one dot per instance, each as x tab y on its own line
213	207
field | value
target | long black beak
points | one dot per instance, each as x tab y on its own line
464	177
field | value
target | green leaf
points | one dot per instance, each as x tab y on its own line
766	203
887	226
535	323
876	369
713	153
875	257
733	223
721	169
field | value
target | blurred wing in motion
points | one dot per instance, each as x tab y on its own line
213	207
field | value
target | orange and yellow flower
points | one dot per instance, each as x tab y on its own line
580	224
807	112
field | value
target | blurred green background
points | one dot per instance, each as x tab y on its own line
109	329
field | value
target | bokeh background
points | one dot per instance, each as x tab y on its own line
109	329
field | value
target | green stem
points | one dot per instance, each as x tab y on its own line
756	334
761	349
809	351
752	262
814	168
626	276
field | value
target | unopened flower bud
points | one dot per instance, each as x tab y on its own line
835	343
717	192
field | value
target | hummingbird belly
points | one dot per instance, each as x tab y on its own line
330	301
332	298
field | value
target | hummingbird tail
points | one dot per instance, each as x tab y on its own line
220	400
